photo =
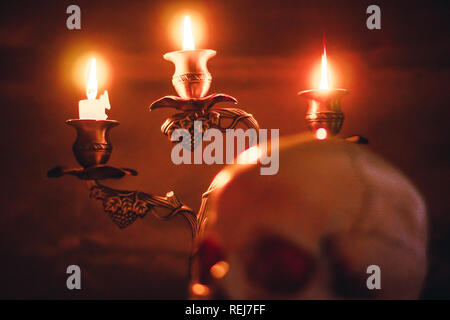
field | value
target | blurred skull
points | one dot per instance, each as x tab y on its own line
312	230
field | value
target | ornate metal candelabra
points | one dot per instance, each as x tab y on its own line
92	147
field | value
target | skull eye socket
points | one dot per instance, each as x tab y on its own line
211	261
278	265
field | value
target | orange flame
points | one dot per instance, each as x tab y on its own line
324	72
92	85
188	40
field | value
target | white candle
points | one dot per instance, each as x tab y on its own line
92	108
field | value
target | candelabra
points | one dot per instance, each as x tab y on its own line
191	80
92	147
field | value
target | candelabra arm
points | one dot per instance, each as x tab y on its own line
124	207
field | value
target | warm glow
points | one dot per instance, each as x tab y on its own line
220	269
250	156
75	63
183	24
188	40
321	134
324	72
199	289
92	85
222	178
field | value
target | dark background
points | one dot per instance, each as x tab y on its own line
267	50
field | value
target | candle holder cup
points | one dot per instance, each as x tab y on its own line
92	146
324	109
191	78
92	149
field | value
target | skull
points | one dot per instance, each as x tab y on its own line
313	230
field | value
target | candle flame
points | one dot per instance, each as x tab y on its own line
188	40
92	85
324	73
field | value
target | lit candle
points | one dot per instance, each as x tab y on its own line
191	78
324	115
93	108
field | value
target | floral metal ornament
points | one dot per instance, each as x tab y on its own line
124	207
201	109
